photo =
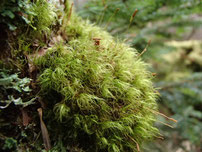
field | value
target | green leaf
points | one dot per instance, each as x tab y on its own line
12	27
5	81
8	13
10	143
26	20
19	101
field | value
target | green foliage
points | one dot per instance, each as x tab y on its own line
12	85
184	99
12	11
10	144
181	90
43	16
154	20
17	13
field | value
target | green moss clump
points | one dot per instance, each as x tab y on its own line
101	94
42	16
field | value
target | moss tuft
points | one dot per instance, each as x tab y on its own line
105	91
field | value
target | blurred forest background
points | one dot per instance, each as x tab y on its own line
168	34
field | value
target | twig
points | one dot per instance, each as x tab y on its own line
159	137
165	124
145	49
158	113
137	145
